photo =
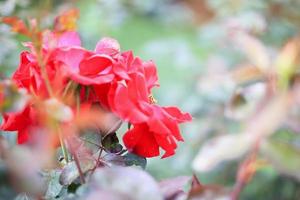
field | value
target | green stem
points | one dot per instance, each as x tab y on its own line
63	146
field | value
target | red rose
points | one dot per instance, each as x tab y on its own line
160	131
87	67
126	64
154	126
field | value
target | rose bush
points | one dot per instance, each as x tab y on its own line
116	81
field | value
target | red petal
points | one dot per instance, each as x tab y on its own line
167	143
85	80
141	141
122	105
94	65
137	88
101	93
71	57
15	121
151	75
23	136
176	114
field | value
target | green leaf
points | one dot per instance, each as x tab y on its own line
133	159
284	156
111	143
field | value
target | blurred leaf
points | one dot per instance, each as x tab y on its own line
216	150
70	172
92	140
54	187
246	74
17	25
6	191
288	61
255	50
133	159
24	196
113	159
131	182
174	187
270	116
284	156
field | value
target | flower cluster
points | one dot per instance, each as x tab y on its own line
117	81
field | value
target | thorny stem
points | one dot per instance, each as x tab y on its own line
77	163
41	63
99	157
118	123
43	67
242	182
237	190
97	145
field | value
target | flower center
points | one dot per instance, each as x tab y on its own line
152	99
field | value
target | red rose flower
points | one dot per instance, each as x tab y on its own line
154	126
127	65
87	67
161	130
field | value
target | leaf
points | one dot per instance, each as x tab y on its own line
283	155
133	159
133	183
70	172
255	51
111	143
17	25
54	187
288	61
23	196
246	74
92	139
216	150
113	159
173	188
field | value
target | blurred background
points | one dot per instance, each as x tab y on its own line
196	44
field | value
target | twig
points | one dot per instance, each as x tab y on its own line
82	179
